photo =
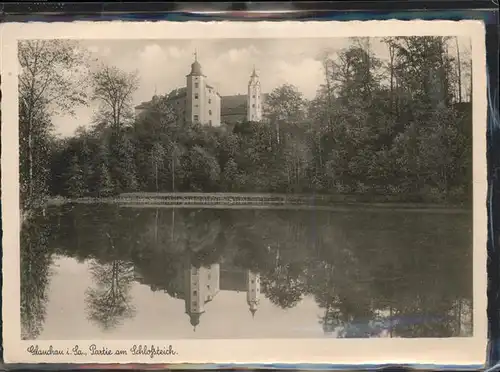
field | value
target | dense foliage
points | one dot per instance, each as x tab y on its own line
399	128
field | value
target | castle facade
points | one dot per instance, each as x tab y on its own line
200	102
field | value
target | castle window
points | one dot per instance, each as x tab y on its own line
253	281
196	118
253	96
210	122
209	100
209	112
253	104
195	303
196	85
194	293
196	96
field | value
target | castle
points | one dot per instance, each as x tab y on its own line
198	286
203	284
200	102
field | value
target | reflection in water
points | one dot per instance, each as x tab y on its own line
370	274
203	284
109	304
36	262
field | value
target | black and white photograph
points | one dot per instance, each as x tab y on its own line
244	188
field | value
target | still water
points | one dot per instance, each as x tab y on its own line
124	272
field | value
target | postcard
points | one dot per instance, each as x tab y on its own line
244	192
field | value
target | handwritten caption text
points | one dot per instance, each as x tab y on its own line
94	350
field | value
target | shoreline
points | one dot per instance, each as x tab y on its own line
234	200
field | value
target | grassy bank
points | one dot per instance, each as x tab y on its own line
263	200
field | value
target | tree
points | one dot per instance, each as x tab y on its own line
86	142
424	71
75	183
347	110
122	164
284	105
459	70
52	80
157	156
104	182
158	139
202	169
229	174
113	90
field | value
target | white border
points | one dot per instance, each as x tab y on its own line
339	351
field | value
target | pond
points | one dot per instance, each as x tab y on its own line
131	272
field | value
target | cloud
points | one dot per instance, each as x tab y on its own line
174	52
100	51
151	53
306	75
159	69
93	49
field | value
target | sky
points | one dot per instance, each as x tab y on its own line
162	65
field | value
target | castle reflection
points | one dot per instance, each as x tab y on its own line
202	284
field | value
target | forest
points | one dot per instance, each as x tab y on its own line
399	127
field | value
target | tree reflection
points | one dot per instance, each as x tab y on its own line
36	261
284	286
110	303
205	237
322	286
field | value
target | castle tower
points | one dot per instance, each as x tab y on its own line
195	295
253	291
195	87
254	102
213	281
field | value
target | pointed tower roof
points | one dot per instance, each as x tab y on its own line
194	320
195	66
254	73
253	311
